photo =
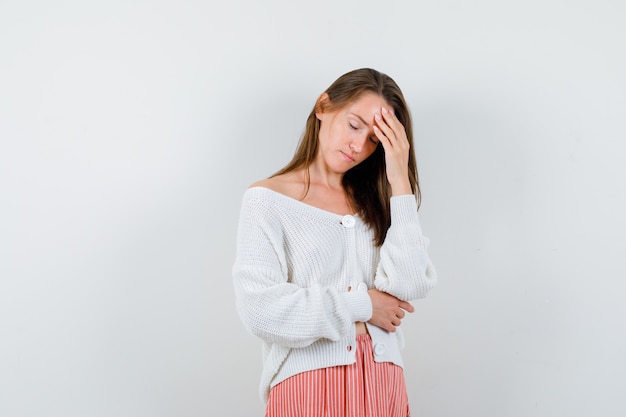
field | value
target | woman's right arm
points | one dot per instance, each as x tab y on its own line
273	308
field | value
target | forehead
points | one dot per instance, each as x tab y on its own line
367	102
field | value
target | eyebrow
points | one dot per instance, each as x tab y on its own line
361	119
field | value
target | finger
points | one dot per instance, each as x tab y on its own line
407	306
394	124
383	127
384	140
390	118
380	134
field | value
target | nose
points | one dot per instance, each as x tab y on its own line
357	143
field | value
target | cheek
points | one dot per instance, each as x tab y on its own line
372	147
332	132
367	152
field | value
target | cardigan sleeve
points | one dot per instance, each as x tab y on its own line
275	309
405	269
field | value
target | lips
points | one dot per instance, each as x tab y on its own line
347	157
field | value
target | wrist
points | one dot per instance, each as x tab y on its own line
358	305
400	187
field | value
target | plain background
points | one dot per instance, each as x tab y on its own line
130	129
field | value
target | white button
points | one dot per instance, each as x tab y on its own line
348	221
379	349
361	287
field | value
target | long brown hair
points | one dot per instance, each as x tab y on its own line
366	184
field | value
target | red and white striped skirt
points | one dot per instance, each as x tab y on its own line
362	389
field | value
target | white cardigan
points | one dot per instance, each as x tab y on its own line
294	266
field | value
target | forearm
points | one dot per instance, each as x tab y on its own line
291	316
405	269
400	186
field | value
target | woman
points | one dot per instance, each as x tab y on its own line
330	251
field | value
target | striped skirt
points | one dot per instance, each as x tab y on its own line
362	389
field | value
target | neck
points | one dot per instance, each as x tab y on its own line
319	174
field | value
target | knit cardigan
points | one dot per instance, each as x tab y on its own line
301	276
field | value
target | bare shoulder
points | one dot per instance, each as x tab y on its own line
289	184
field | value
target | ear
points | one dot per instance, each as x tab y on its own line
322	103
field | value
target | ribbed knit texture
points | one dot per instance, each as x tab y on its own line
294	266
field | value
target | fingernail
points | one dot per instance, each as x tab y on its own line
377	116
385	110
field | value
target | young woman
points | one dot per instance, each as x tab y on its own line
330	251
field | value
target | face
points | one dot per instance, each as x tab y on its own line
346	136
